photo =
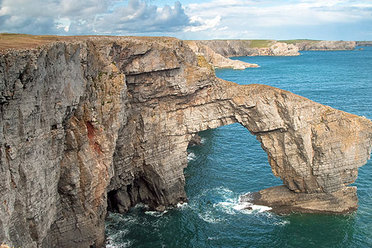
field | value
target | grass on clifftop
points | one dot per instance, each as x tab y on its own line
298	41
25	40
260	43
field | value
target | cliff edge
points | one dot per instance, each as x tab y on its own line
235	48
91	123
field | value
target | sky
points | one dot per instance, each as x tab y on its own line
191	19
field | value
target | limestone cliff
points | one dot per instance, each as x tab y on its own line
88	122
234	48
215	59
323	45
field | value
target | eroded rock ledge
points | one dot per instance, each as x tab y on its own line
92	117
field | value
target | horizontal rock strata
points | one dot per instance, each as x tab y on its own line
92	122
325	45
234	48
215	59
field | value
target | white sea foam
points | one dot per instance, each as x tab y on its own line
202	141
156	213
227	206
121	245
110	243
191	156
282	223
182	205
140	205
228	203
249	208
122	217
242	205
207	216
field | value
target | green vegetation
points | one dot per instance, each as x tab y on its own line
260	43
298	41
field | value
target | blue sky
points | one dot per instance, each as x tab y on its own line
190	19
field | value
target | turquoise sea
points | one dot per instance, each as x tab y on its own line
231	162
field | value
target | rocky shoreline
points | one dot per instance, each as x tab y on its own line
91	121
217	52
284	201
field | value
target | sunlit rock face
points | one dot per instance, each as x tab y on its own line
91	124
234	48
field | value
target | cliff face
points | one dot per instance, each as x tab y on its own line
215	59
364	43
325	45
233	48
92	122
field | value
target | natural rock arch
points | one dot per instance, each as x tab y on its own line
308	144
87	116
302	138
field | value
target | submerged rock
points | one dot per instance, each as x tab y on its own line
196	140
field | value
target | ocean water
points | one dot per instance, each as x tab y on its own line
231	162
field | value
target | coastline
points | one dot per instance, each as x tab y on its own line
109	119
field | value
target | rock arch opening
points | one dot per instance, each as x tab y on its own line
228	162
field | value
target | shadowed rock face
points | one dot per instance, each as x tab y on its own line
96	117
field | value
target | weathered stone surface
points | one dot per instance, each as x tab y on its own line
112	116
233	48
215	59
325	45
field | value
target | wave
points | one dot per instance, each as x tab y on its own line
114	240
121	245
214	205
191	156
208	216
127	218
248	207
182	205
156	213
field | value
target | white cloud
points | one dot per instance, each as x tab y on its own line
91	17
203	19
203	24
259	13
260	16
141	17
